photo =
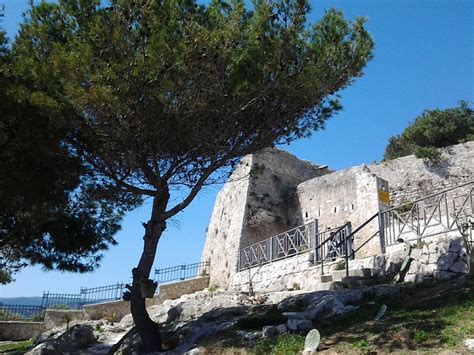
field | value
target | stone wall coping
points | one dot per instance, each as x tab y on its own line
18	322
183	282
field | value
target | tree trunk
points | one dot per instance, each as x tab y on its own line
148	330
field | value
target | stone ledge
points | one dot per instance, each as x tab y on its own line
18	330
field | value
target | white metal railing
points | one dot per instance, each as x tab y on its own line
292	242
332	244
326	245
435	214
440	213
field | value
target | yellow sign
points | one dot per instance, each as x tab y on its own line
384	197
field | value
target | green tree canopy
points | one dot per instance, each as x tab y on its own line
164	97
47	215
433	129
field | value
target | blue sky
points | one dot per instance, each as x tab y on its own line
423	59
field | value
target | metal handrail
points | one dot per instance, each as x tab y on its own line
344	242
279	234
427	197
422	220
382	216
291	242
387	212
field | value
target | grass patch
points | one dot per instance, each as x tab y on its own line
282	345
361	346
427	318
19	347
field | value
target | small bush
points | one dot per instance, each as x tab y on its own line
429	154
112	317
59	306
212	288
38	317
341	265
282	345
420	336
362	346
5	315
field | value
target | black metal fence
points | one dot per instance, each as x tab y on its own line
103	293
20	312
86	296
181	272
62	300
95	294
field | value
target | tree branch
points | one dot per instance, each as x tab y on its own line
196	188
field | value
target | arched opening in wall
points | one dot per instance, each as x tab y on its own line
335	209
319	212
353	207
306	214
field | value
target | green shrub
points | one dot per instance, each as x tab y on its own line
430	154
59	306
341	265
420	336
362	346
212	288
282	345
38	317
5	315
433	129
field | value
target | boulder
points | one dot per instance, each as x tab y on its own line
269	331
299	325
456	245
446	260
460	267
281	329
76	338
249	335
469	343
45	349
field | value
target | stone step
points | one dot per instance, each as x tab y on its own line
376	272
357	281
340	274
328	286
324	278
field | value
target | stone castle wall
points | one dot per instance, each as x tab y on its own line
350	195
410	178
271	205
253	206
273	191
225	228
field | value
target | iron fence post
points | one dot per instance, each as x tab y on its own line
271	250
348	246
381	231
315	237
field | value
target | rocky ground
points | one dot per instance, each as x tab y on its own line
428	317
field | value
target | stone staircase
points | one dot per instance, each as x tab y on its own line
336	280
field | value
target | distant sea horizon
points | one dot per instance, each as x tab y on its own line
30	301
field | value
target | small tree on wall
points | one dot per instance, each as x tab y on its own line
164	97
